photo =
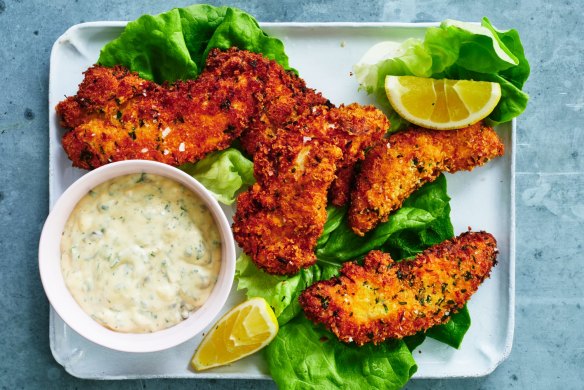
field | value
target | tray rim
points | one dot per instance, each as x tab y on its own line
510	329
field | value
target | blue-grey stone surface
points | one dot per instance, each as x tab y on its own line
548	350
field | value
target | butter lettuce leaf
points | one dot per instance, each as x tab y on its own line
334	219
423	220
452	332
278	291
458	51
303	356
223	173
241	30
409	58
281	292
432	197
174	45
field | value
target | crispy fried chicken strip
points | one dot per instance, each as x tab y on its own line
118	116
354	129
392	171
280	218
385	299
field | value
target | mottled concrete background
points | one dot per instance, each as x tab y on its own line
548	351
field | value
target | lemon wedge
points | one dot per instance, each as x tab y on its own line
245	329
441	104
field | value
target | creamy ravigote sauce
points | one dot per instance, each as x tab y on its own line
140	252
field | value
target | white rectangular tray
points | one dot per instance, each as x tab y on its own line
323	53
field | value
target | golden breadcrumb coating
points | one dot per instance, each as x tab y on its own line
280	218
118	116
354	129
393	170
384	299
283	100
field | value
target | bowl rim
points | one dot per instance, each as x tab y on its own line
49	257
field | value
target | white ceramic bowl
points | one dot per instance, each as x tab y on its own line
66	306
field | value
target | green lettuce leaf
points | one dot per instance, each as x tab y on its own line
407	59
317	272
281	292
334	219
278	291
174	45
452	332
423	219
409	242
475	48
241	30
415	341
303	356
223	173
458	51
